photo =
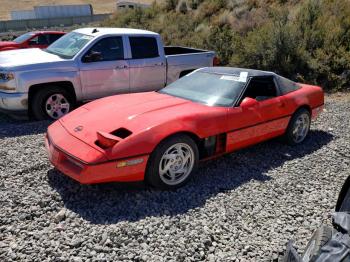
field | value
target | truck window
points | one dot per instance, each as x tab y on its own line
110	48
143	47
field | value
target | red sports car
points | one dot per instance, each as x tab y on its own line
39	39
160	136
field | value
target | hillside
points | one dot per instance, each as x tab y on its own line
99	6
305	40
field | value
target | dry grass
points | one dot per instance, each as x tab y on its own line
99	6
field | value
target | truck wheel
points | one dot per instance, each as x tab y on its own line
51	103
172	163
298	127
320	238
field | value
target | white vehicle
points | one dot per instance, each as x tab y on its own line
91	63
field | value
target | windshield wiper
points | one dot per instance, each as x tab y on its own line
58	54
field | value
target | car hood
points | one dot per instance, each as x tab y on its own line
137	113
23	57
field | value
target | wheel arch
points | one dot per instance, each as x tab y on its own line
66	85
192	135
304	106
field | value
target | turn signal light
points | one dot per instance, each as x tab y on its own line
105	140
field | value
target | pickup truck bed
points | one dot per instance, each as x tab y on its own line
179	50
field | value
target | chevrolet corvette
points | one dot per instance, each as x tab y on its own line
160	137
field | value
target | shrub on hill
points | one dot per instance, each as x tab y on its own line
303	40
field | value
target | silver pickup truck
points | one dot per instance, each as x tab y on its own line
91	63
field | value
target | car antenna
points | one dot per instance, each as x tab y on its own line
94	31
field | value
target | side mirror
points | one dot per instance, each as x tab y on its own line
249	103
92	57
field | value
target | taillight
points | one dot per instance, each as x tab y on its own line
216	61
105	140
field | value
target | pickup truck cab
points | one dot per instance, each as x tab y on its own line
41	39
91	63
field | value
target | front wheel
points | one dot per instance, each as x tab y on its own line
298	127
172	162
51	103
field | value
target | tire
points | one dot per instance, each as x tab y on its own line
343	202
320	238
293	135
165	162
41	102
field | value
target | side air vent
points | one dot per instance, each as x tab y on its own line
122	133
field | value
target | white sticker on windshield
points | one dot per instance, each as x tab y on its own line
230	78
241	78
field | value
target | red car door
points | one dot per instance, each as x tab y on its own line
243	125
264	116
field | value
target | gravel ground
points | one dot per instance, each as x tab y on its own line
242	207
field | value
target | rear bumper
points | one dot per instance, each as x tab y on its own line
85	173
13	102
317	111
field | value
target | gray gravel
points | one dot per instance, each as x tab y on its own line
242	207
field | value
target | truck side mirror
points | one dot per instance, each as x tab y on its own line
92	56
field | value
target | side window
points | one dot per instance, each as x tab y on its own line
286	85
43	40
107	49
143	47
54	37
261	88
34	41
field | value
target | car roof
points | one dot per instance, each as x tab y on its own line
236	71
105	30
47	32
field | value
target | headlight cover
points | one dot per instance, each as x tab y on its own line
6	77
7	82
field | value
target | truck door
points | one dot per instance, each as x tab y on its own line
103	69
147	64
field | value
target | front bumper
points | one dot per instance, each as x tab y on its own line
85	173
13	102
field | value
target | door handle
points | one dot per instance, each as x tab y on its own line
159	64
121	67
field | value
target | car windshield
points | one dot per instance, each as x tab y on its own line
23	38
69	45
208	88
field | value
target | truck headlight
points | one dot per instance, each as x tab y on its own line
7	82
5	77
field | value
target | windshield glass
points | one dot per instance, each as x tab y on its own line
208	88
23	38
69	45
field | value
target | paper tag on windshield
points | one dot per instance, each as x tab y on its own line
241	78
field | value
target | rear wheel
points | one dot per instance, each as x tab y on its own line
172	162
51	103
298	127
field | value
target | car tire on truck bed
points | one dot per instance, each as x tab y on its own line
51	103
